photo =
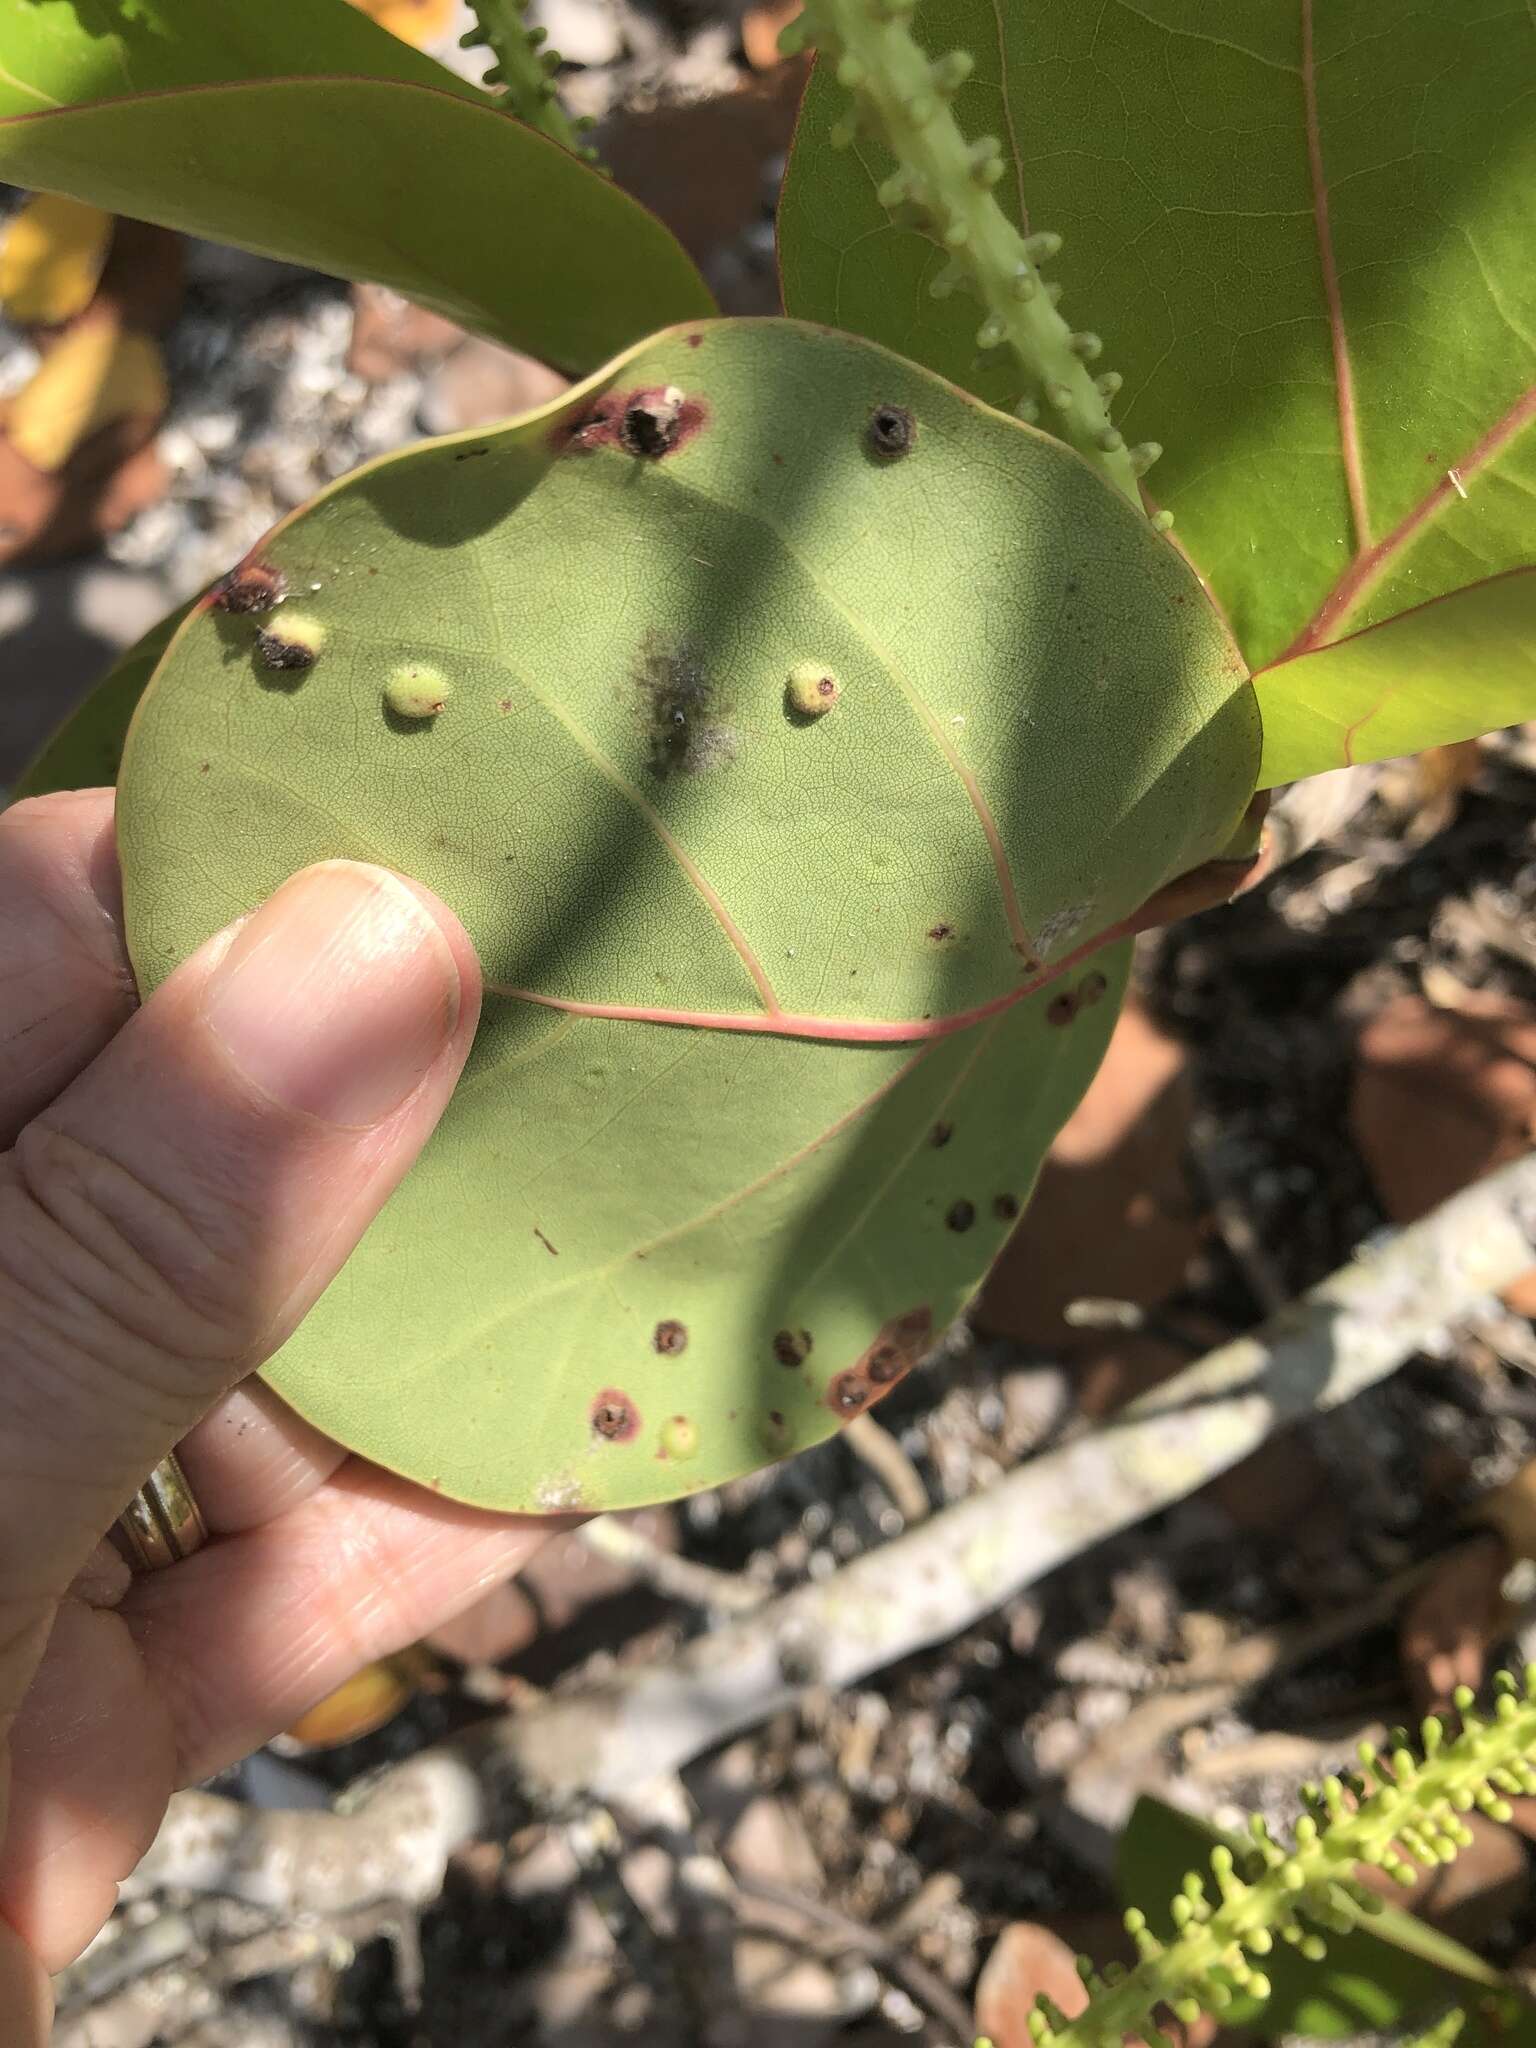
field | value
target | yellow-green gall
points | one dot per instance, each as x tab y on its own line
679	1437
417	691
812	689
293	641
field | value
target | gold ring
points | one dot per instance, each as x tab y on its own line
163	1522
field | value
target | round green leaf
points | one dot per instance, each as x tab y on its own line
763	1077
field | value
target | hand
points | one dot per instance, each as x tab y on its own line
182	1181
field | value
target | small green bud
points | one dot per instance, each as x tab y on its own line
1060	396
1313	1948
921	107
1109	385
893	190
1463	1699
1162	522
1259	1985
1186	2009
1053	290
536	37
292	642
1042	246
843	134
811	689
1110	439
956	235
417	691
1024	283
948	281
1085	345
1144	454
950	72
850	73
1028	410
991	333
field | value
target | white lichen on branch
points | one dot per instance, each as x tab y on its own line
944	184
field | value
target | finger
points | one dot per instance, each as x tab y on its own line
26	2000
165	1224
252	1458
248	1634
65	982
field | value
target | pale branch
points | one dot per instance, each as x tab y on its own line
612	1734
679	1578
391	1841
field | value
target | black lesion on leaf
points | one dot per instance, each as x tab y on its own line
890	432
685	735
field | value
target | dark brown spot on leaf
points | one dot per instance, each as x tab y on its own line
792	1347
885	1365
289	656
1005	1207
654	421
1061	1009
960	1215
254	587
615	1417
670	1338
469	454
1091	987
941	1134
939	932
891	432
849	1392
896	1348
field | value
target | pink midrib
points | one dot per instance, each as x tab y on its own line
781	1023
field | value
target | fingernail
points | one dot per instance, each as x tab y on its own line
338	996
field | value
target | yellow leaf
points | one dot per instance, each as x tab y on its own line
94	375
417	22
51	259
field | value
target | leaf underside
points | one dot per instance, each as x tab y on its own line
372	162
1305	232
726	1079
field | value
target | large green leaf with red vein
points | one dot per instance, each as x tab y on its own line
1305	231
300	129
782	1009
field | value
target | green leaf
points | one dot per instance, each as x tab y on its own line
58	53
402	173
87	750
1445	671
1304	234
1379	1977
732	949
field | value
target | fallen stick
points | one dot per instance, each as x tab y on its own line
604	1738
